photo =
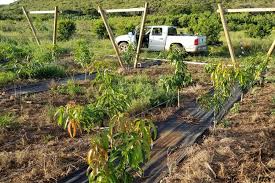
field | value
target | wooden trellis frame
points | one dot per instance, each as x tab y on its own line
111	34
55	12
225	28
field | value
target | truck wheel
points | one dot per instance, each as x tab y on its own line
123	46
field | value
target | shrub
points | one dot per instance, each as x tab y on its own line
92	12
206	24
100	30
184	21
66	29
260	30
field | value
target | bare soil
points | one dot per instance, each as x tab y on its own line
240	149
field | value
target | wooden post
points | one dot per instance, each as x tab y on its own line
55	25
227	36
141	34
271	49
111	35
31	25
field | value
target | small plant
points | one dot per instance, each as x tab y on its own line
83	56
71	88
66	29
226	123
7	120
69	118
124	147
111	99
181	77
223	79
236	108
129	55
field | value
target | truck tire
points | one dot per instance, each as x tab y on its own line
123	46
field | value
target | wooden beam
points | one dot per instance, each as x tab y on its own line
42	12
141	34
31	25
248	10
227	36
125	10
271	49
111	35
55	25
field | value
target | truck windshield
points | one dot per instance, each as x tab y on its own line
172	31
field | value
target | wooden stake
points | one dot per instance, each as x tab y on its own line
111	35
227	36
55	25
31	25
271	49
141	34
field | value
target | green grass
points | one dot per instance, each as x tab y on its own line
7	120
6	77
19	31
71	88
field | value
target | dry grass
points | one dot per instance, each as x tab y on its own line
47	163
243	153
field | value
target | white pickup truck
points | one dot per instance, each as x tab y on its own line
159	38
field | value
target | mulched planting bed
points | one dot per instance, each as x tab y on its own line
240	149
35	149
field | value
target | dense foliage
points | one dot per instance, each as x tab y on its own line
224	78
120	150
21	60
207	24
66	29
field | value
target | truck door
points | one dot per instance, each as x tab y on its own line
157	39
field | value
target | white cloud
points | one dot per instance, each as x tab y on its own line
6	1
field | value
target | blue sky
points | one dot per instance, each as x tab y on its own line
6	1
